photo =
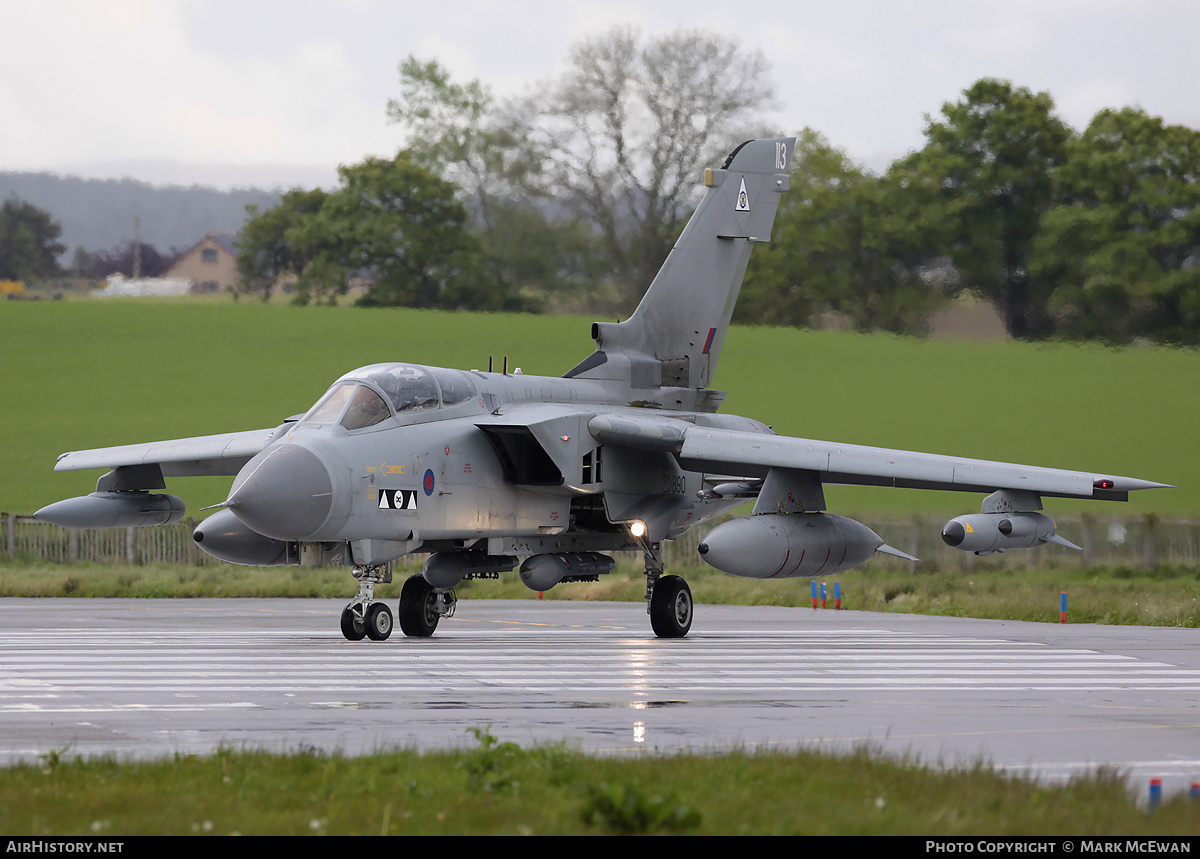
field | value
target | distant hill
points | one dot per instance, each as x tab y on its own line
98	214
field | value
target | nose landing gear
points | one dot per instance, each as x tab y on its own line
364	618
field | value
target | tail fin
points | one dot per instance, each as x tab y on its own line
674	338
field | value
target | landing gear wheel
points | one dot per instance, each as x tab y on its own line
671	607
418	608
353	626
379	621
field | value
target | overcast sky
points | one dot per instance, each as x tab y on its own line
229	92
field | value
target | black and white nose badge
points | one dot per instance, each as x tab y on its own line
397	499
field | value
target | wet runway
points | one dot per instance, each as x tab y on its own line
151	678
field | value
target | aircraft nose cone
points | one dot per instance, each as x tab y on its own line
284	492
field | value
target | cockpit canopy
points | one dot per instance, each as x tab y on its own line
368	395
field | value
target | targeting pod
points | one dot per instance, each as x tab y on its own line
133	509
984	533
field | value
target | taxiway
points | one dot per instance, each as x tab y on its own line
152	678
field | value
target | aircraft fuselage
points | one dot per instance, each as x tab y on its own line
515	464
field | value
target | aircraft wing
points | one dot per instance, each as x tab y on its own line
202	456
754	454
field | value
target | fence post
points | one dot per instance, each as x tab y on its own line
914	542
1149	553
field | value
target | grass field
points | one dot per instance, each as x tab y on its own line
1163	596
91	373
493	788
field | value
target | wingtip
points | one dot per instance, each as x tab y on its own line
1137	483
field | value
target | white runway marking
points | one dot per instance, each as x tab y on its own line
42	674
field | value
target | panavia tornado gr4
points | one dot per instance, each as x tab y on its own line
626	450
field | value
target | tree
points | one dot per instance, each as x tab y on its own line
838	245
460	133
627	129
29	246
275	243
81	264
119	260
391	223
598	168
398	221
1123	246
991	158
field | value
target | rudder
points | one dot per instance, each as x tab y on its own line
675	336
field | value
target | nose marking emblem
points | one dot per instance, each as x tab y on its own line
398	499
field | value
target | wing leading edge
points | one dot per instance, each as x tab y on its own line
752	454
201	456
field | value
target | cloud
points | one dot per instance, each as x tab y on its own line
307	82
125	80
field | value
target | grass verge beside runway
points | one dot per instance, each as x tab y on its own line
1164	596
492	788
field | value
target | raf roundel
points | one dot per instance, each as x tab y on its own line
427	483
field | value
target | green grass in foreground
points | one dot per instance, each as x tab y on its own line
493	788
1164	596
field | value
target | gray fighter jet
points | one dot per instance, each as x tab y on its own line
626	450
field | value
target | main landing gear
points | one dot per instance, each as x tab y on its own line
421	607
668	598
668	602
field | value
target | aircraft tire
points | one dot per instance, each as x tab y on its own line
418	608
379	621
353	627
671	607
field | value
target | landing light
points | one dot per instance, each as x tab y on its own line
637	528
